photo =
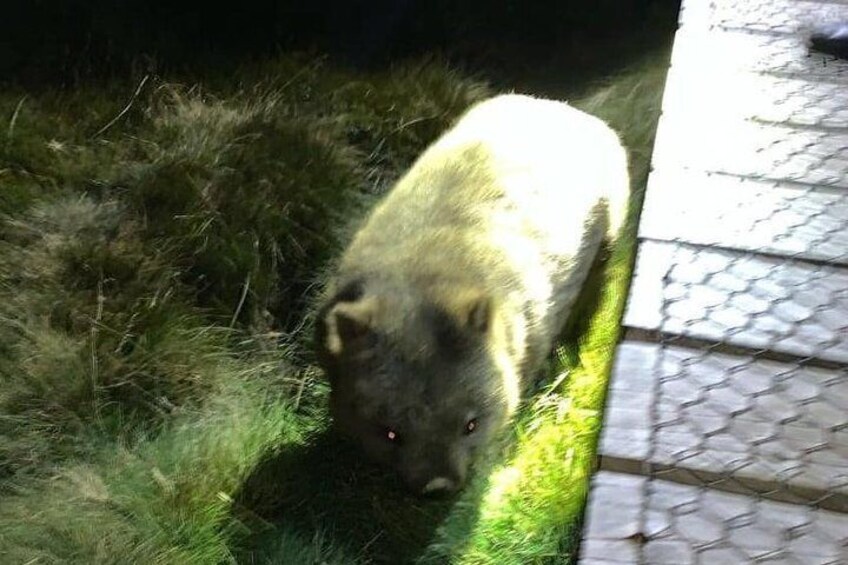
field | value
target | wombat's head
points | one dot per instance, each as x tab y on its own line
417	379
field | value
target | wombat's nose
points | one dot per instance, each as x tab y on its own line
439	485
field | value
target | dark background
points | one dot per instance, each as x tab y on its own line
67	41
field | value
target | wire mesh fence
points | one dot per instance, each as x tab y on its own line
725	437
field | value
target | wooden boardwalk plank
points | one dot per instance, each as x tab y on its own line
746	300
739	423
636	520
774	217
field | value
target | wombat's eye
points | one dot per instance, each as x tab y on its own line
471	426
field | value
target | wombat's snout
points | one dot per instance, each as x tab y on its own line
432	485
439	485
440	482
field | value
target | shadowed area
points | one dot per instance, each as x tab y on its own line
327	486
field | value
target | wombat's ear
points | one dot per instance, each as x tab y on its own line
472	311
462	320
478	314
348	327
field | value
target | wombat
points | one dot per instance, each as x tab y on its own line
450	296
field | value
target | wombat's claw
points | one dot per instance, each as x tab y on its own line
831	38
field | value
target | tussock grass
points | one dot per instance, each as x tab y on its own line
159	245
247	198
152	276
164	499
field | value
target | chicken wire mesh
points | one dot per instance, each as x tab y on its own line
725	437
749	405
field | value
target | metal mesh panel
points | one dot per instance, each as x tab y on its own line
725	437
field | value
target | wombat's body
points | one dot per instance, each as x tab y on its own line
451	295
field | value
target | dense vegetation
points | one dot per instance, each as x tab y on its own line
159	247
